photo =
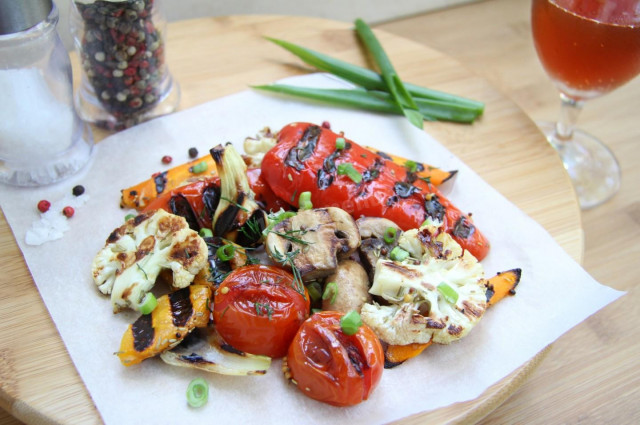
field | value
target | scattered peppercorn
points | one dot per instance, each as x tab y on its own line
77	190
193	153
43	206
166	159
68	212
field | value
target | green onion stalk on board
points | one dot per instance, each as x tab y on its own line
379	93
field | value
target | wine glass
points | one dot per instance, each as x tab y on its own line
588	48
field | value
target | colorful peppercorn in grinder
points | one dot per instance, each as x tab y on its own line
125	79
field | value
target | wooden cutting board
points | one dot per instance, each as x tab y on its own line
214	57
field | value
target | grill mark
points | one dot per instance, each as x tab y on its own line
181	307
304	148
160	181
411	274
471	310
143	333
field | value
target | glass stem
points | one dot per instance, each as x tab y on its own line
569	111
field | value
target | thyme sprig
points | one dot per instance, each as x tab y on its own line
289	260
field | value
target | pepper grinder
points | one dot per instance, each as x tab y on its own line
121	46
42	139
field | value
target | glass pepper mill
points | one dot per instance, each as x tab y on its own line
42	139
125	79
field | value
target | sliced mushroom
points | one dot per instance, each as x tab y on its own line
373	246
314	240
352	282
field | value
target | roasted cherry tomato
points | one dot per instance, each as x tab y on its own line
332	367
258	309
361	182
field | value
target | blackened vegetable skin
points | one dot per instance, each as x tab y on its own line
375	196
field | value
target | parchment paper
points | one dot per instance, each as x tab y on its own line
554	295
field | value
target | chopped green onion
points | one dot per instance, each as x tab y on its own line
351	322
394	85
314	291
340	143
330	291
277	218
129	217
412	166
315	310
449	294
225	252
398	254
197	392
304	201
369	79
206	232
148	304
390	234
200	167
347	169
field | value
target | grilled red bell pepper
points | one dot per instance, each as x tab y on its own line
306	159
197	201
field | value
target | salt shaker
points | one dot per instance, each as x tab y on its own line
42	139
125	78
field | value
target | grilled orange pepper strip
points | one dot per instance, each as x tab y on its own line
168	324
140	195
501	285
429	173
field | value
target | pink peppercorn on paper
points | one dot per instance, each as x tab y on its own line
554	295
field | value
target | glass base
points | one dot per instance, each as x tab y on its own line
52	169
592	167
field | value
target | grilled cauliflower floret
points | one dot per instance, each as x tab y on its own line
256	147
438	298
136	252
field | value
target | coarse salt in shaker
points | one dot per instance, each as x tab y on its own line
125	79
42	139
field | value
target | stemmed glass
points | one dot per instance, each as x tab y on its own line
588	48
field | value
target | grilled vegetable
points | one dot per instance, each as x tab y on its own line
316	239
378	238
438	295
175	316
502	284
219	268
136	252
196	202
395	355
258	309
141	194
204	349
352	288
331	366
426	172
238	216
498	287
362	183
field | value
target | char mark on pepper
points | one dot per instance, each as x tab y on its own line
143	333
304	148
181	307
